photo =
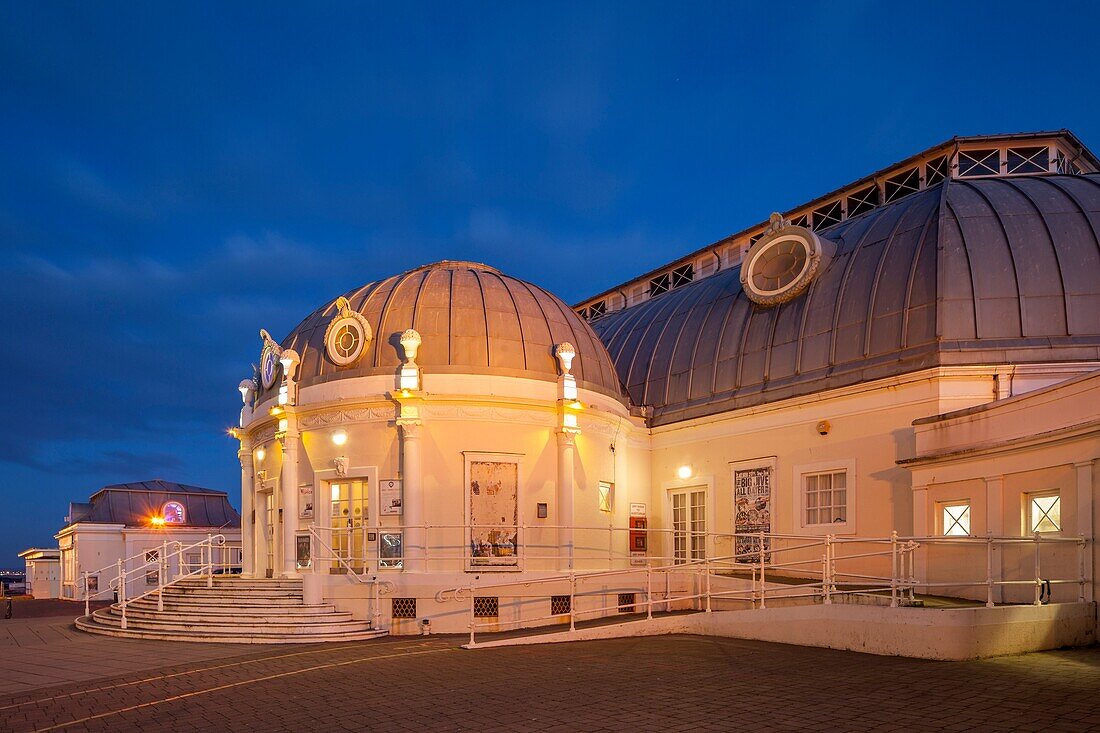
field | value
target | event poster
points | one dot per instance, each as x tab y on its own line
752	496
305	501
389	497
494	513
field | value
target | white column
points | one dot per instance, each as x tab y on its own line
248	509
1085	521
995	525
566	445
288	485
412	500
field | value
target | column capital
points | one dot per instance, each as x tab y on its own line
410	428
567	437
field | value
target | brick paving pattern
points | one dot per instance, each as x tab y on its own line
674	683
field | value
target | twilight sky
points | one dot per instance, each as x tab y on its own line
170	183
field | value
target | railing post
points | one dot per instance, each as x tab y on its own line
913	570
610	547
572	600
87	607
763	592
706	569
649	590
1081	569
989	571
121	580
895	569
1038	575
161	566
209	561
472	617
826	564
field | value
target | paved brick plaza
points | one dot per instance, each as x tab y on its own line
664	683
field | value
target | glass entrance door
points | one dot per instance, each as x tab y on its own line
350	522
689	525
269	533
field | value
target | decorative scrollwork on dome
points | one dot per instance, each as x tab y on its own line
780	266
347	335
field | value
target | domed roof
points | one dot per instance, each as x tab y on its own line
473	319
984	271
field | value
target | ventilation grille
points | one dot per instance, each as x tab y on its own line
404	608
626	602
560	605
486	606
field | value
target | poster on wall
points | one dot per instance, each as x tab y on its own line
305	501
752	512
302	551
389	498
494	513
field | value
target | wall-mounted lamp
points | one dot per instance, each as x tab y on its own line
824	427
684	472
339	437
260	453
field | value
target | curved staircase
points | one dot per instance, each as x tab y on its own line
234	611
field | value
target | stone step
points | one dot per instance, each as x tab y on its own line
197	625
230	605
236	583
219	593
295	615
245	605
87	624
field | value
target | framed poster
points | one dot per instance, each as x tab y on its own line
390	550
752	509
305	501
492	510
389	497
303	551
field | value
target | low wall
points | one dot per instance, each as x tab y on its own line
946	634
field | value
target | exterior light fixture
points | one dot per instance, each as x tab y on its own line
283	425
569	420
339	437
569	387
684	472
156	521
410	378
260	453
276	411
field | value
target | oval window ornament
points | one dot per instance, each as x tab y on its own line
269	360
780	266
347	335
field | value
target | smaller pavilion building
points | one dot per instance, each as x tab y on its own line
131	522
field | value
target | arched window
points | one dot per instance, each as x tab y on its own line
173	513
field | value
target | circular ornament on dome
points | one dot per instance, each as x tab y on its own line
269	360
347	335
782	264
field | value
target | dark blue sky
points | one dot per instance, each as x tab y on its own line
169	183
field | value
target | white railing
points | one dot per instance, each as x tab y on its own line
378	586
216	557
843	568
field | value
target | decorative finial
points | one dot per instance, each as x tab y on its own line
565	353
776	222
410	342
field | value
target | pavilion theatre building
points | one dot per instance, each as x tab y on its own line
890	391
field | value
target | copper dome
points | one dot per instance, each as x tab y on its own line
473	319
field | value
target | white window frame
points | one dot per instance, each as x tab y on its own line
941	520
610	496
851	488
1028	525
706	483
